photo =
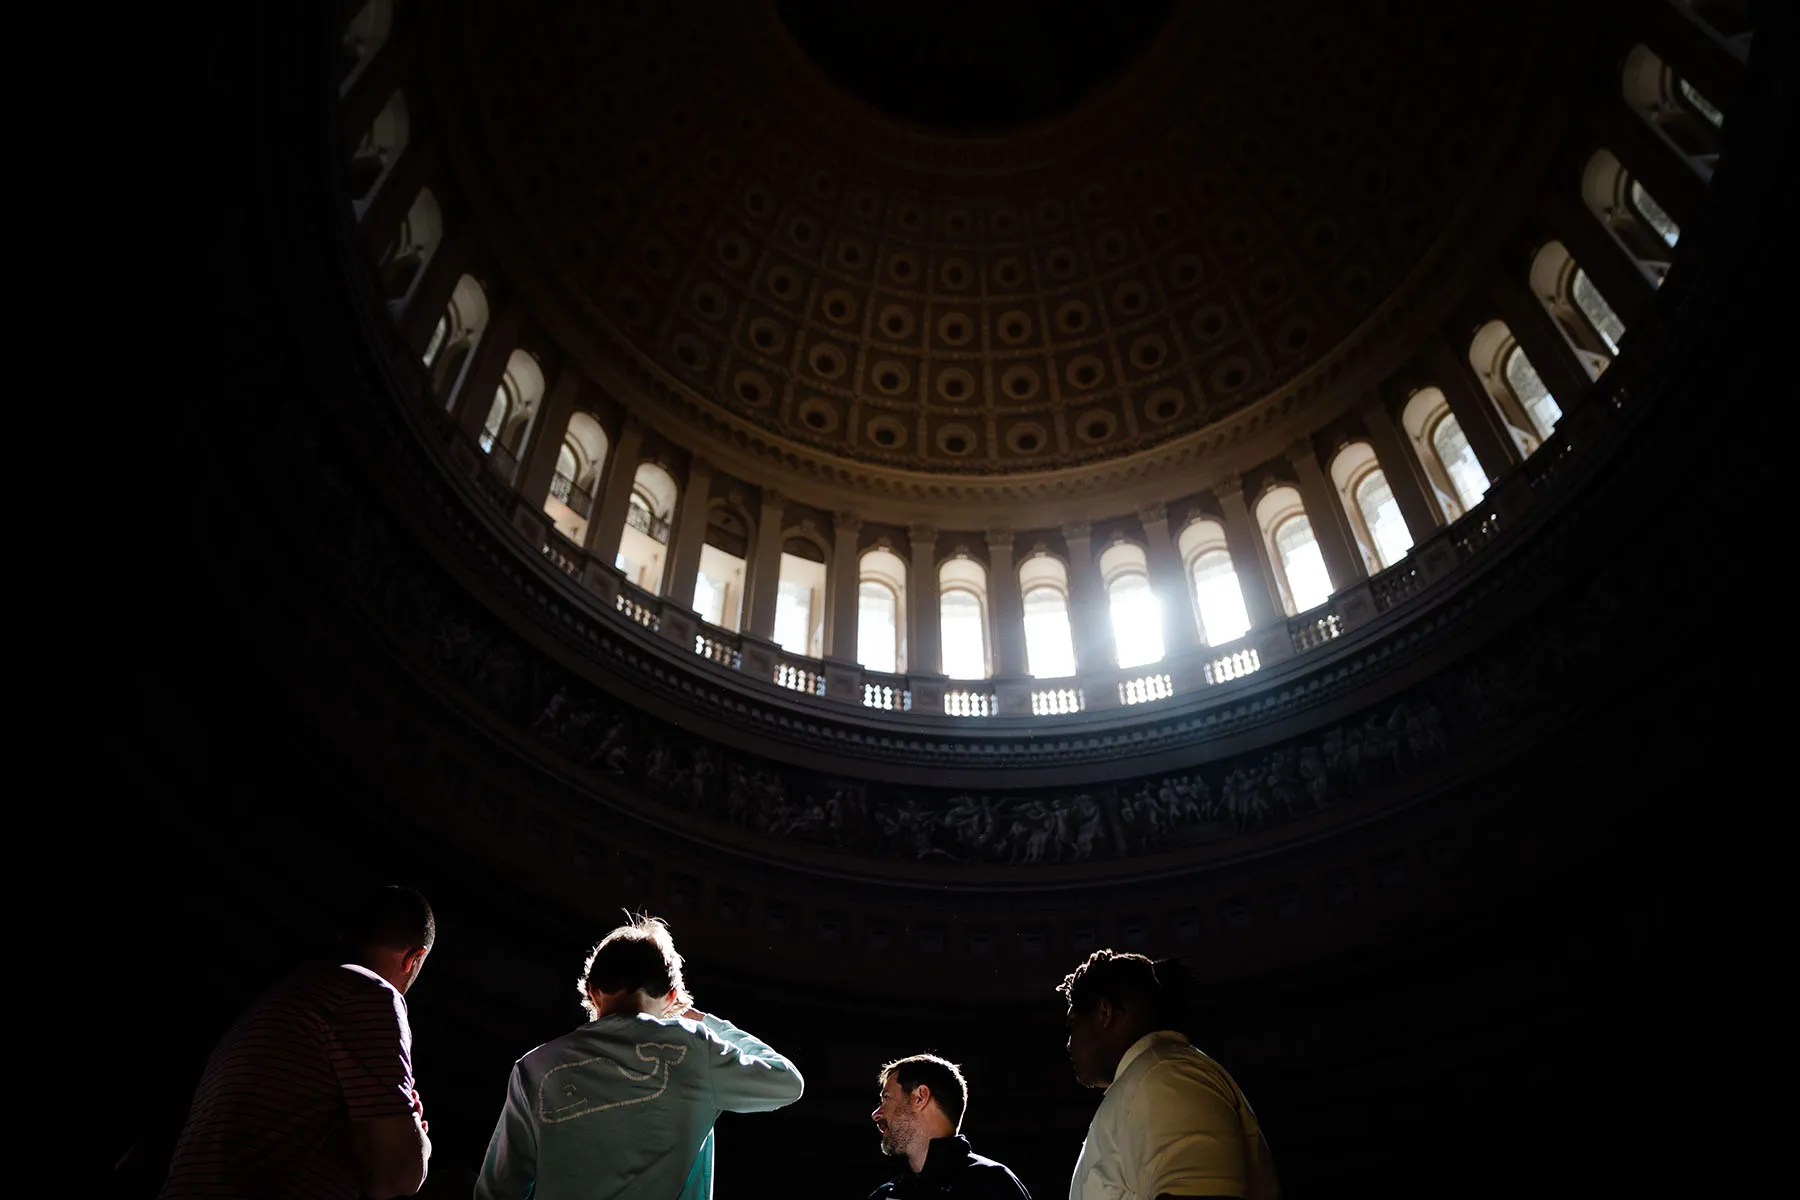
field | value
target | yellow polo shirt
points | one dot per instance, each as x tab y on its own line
1173	1121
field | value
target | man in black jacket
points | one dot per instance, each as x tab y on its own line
922	1102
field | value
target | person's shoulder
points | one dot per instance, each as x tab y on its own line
1179	1065
997	1178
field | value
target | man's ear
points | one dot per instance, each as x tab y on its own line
921	1096
1103	1010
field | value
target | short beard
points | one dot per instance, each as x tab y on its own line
893	1142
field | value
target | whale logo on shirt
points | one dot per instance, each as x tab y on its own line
587	1086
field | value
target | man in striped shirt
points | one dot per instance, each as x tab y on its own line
311	1093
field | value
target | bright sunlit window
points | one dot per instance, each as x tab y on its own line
1219	598
800	605
1599	313
1654	214
878	627
1136	620
793	616
1303	564
963	635
1049	644
1529	387
1381	512
1460	463
490	428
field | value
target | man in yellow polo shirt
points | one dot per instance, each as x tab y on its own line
1173	1123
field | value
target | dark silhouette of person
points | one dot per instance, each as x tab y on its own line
1173	1123
923	1098
311	1093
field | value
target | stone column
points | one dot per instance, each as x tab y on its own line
486	368
608	522
1168	579
431	295
843	587
1488	433
547	431
1662	169
394	196
376	84
765	566
1006	618
1545	345
1089	621
1249	557
1405	477
1325	513
683	562
1615	273
923	654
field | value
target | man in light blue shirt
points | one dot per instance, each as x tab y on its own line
625	1105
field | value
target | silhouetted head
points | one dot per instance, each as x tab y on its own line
634	968
1114	999
390	931
922	1097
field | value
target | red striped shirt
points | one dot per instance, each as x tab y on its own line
271	1116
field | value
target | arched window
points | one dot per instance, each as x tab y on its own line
644	542
719	584
1444	450
1587	322
1381	513
461	326
1452	447
563	481
1598	312
1132	604
366	33
1218	600
1049	641
881	612
379	149
962	618
515	404
405	258
1529	387
579	461
800	598
1636	221
1375	518
1293	551
1673	107
1653	214
1526	405
498	411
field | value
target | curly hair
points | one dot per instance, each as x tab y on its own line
1128	980
639	954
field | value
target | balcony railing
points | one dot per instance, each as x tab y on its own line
886	692
646	522
1422	570
578	499
1235	665
719	646
639	607
967	702
565	554
800	675
1313	629
1145	688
